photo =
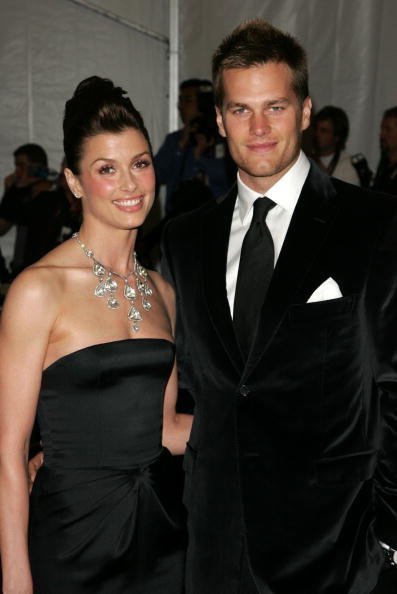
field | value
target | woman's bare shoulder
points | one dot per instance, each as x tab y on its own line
39	287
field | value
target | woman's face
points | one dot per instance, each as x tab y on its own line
116	180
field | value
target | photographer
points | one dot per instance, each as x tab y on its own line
193	162
29	203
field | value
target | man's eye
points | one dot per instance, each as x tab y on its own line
276	108
240	110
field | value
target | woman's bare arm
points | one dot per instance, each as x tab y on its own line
176	426
25	326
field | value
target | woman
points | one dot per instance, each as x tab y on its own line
87	338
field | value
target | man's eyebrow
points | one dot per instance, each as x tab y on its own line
269	102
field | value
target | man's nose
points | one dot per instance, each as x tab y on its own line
259	124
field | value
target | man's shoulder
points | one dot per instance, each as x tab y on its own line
361	205
186	222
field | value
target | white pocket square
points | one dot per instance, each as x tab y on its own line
329	289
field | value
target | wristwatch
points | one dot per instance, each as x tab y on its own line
390	554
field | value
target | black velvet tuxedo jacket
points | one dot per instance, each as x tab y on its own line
292	459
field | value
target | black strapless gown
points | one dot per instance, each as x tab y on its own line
105	517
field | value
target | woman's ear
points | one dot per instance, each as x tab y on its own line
73	183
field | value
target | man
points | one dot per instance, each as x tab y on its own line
292	461
330	133
193	162
386	174
29	203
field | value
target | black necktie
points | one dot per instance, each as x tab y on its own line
254	274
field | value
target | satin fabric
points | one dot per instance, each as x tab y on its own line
105	515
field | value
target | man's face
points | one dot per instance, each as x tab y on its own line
188	105
24	170
262	120
388	134
324	137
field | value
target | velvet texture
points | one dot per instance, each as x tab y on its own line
291	466
105	513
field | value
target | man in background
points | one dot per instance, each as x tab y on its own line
386	173
330	133
29	204
193	162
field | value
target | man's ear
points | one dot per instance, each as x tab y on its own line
73	183
219	121
306	112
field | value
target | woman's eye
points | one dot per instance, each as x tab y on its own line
106	169
142	163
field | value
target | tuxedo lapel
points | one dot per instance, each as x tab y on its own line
309	227
215	232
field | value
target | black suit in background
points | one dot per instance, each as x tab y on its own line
291	467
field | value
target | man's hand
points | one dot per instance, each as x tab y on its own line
33	466
10	180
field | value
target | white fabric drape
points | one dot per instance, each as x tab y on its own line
351	45
47	47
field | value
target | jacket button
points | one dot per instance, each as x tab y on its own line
244	390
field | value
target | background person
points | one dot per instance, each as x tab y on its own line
386	174
330	134
193	162
30	204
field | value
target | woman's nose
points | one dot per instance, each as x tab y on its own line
128	181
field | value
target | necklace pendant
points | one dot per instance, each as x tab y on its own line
134	314
135	327
140	285
105	286
98	269
110	285
100	289
141	271
146	304
112	303
129	292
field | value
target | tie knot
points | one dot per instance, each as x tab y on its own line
262	206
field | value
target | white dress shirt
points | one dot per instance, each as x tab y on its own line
285	194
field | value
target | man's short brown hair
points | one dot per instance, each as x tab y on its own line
254	43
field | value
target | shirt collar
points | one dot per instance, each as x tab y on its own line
285	192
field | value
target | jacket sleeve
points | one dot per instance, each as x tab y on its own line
184	360
382	307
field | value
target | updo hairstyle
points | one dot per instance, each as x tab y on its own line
97	107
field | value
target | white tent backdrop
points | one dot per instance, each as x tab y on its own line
351	45
48	46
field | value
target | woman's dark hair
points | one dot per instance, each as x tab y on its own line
97	106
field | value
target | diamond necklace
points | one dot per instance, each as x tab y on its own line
107	285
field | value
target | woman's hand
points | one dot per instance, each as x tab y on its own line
33	466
